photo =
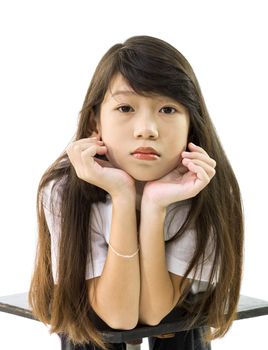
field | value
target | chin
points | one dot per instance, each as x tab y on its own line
146	177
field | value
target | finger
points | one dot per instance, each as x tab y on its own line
202	176
79	156
208	169
87	139
84	162
201	156
91	151
201	150
194	147
81	145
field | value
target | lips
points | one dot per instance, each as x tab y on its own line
146	150
145	153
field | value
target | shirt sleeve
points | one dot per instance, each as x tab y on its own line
51	203
180	252
99	245
53	220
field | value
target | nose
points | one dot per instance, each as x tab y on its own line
145	128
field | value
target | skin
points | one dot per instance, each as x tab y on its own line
128	121
138	121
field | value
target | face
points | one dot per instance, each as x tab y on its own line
129	121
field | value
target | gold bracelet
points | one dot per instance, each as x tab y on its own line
124	256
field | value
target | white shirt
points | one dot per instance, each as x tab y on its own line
178	253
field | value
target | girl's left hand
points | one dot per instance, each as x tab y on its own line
185	181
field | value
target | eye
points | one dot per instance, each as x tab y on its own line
168	110
125	109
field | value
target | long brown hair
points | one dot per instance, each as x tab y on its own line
151	66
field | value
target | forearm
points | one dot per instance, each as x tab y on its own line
156	298
119	286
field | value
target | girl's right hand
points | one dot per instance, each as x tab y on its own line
96	171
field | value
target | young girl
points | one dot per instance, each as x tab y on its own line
133	218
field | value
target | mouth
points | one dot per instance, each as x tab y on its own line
145	153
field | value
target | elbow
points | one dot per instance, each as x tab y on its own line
153	318
122	324
117	322
114	318
122	319
150	321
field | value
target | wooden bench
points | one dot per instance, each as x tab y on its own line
17	304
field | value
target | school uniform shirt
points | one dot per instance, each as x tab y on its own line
178	253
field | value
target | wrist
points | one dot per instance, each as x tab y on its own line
152	207
124	192
125	198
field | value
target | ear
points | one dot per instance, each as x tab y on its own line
96	134
97	131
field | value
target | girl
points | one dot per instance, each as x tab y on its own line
133	219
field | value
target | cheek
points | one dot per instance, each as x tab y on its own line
178	142
113	146
110	141
111	132
182	136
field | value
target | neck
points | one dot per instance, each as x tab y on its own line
139	191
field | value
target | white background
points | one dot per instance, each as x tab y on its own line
49	50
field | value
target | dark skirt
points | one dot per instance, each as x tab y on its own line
186	340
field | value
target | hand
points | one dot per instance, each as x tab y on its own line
185	181
96	171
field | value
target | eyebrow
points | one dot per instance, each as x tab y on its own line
131	92
123	92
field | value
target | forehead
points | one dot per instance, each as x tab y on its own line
119	88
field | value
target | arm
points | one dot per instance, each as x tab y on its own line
116	297
160	290
115	294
